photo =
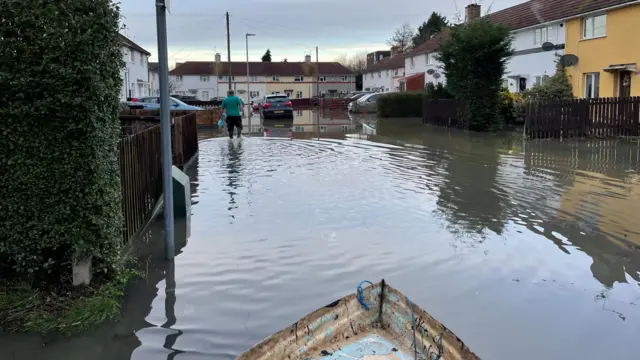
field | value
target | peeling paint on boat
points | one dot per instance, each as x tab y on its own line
345	328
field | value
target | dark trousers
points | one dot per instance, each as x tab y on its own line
234	122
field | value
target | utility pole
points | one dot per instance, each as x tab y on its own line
249	110
165	128
318	75
229	51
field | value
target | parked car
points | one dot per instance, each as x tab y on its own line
276	106
185	97
153	102
367	103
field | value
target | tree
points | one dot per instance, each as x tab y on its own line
474	58
356	62
401	38
173	85
267	56
557	87
64	171
435	24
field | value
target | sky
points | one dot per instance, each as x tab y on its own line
289	28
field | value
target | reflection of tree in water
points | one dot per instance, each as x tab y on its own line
470	198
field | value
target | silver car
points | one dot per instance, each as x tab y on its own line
366	104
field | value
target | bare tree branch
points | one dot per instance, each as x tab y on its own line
402	38
356	62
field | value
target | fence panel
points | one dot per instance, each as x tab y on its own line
443	112
602	118
141	178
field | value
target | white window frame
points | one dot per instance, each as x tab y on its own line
205	95
322	78
345	78
299	94
395	72
427	60
543	35
386	73
345	128
591	21
298	128
372	75
323	128
132	55
275	78
253	78
412	62
254	94
595	80
379	74
298	78
204	78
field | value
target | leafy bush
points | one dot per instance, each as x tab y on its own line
558	87
59	91
474	59
401	104
438	91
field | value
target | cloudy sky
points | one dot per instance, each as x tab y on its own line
290	28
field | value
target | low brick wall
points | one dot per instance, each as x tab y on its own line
204	118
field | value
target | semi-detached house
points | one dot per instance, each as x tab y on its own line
299	80
384	75
135	73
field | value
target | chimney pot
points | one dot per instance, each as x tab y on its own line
307	59
472	12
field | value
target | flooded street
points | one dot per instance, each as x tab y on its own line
526	250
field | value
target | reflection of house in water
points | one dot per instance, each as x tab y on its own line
599	202
324	122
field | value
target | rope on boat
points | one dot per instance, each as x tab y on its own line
360	293
413	326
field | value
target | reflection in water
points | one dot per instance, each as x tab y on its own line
485	232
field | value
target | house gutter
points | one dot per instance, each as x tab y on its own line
578	16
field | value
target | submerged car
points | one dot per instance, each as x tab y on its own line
366	103
153	103
276	106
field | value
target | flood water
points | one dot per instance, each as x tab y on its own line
526	250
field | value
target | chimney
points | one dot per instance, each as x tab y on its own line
395	50
218	58
472	12
307	59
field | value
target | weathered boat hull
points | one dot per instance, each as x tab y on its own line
379	324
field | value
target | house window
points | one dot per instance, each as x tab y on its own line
323	128
253	78
224	78
275	92
288	93
345	128
346	78
594	26
412	63
542	35
395	72
322	78
298	94
372	75
205	95
592	85
141	59
254	94
179	77
299	113
275	78
133	56
386	73
204	78
379	74
427	59
298	78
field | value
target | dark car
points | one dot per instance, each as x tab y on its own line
276	106
185	97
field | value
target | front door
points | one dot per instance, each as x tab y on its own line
624	84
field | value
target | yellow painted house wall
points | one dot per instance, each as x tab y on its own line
621	45
289	83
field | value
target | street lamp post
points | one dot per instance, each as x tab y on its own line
218	75
248	92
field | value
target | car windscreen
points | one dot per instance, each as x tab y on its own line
276	99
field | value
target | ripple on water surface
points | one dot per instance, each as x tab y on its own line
526	250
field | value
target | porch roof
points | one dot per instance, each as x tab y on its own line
623	67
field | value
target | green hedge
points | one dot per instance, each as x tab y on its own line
401	104
59	100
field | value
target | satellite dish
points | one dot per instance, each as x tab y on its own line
430	71
436	76
548	46
568	60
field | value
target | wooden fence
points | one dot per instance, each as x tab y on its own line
442	112
140	161
604	117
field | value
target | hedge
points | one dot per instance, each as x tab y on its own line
59	100
401	104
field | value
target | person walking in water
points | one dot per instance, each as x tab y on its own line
231	105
